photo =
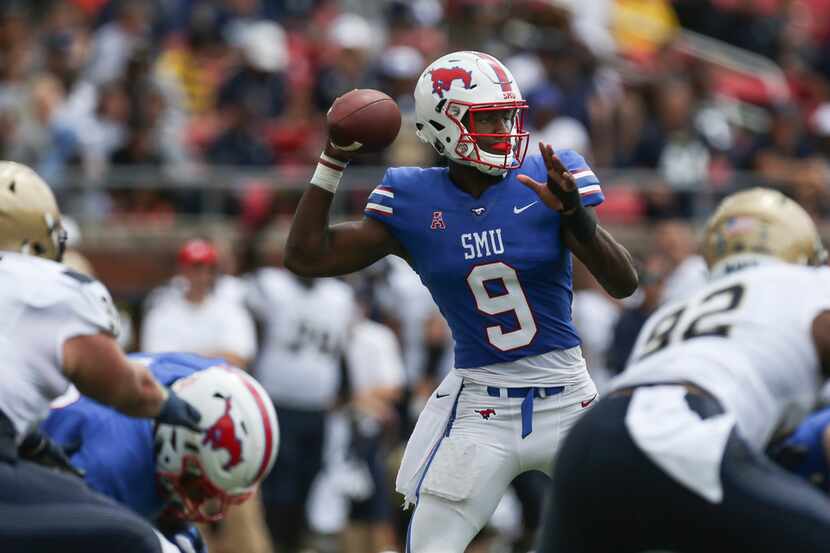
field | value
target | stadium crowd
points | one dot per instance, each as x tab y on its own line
176	87
134	101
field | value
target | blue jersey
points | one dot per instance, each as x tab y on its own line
495	265
117	451
808	442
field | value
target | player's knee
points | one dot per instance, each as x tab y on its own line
440	526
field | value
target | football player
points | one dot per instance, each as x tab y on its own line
59	327
304	329
491	237
672	458
173	476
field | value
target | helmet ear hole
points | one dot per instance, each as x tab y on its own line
436	125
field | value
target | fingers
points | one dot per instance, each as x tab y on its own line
530	182
546	155
552	161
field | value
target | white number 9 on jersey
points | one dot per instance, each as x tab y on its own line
513	300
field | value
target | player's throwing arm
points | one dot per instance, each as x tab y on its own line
359	121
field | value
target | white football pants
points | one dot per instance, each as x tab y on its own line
484	451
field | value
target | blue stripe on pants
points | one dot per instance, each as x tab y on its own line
429	462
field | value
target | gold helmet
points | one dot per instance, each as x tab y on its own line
30	221
762	221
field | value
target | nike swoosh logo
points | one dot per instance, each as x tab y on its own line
439	396
587	403
518	210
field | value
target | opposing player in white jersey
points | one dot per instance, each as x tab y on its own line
58	327
305	322
672	457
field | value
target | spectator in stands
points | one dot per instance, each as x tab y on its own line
686	271
398	72
115	42
786	157
350	41
105	130
551	127
200	321
258	86
16	44
673	145
192	65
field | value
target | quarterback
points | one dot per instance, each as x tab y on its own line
171	476
491	237
59	327
673	457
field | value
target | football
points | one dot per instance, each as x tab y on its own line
363	120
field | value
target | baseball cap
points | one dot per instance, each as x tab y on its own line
195	252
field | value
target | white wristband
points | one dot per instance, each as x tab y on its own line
328	173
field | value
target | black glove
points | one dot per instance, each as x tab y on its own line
575	217
40	449
178	412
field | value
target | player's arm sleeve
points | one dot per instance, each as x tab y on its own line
384	202
89	309
587	182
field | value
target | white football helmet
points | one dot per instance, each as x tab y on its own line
466	83
204	474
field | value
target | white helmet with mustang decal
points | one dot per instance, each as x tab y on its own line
202	474
456	91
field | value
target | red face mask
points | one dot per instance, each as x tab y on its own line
491	134
193	497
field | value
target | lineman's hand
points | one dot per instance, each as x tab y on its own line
178	412
560	192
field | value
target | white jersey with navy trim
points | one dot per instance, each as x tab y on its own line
44	303
305	328
746	338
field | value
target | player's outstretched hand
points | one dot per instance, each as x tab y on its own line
560	192
178	412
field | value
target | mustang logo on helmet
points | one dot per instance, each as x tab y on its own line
443	77
222	435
